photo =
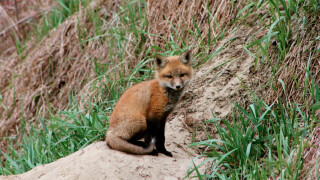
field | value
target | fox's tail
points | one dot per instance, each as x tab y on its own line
117	143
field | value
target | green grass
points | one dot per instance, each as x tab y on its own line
259	141
57	15
58	136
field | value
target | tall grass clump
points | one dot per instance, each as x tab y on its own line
261	142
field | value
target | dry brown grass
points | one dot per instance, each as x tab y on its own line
181	13
52	70
293	69
312	156
18	18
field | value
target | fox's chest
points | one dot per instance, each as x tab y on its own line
162	106
160	109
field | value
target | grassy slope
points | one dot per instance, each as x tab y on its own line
260	140
263	139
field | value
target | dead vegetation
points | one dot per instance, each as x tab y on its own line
312	156
53	69
17	19
207	18
304	48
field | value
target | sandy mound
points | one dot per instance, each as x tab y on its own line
99	162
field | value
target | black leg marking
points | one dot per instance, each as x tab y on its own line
160	143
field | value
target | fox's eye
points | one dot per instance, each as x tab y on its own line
169	76
181	75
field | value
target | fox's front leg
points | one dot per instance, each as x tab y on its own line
160	141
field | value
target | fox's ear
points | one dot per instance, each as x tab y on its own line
185	57
161	61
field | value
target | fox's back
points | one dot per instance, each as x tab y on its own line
146	99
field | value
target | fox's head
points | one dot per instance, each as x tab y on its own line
174	72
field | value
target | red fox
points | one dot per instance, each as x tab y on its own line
142	110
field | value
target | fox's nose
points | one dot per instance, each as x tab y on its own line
178	86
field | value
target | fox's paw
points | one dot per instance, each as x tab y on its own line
167	153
